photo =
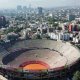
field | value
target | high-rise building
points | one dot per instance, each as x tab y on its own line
70	17
19	7
24	8
73	27
2	21
70	27
40	10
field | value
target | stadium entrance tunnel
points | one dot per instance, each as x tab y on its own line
35	65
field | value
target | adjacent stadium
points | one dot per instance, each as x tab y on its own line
38	59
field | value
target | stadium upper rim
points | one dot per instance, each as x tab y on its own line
67	52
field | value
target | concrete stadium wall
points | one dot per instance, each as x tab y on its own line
70	52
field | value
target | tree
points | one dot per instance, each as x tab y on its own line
59	28
56	24
52	20
38	37
76	76
2	42
12	37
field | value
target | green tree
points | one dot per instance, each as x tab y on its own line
38	37
12	37
76	76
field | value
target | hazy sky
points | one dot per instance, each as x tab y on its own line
35	3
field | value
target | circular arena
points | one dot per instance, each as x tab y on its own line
38	59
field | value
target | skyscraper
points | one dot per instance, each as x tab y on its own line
40	10
2	21
24	8
70	17
19	7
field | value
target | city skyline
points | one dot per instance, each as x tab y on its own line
35	3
